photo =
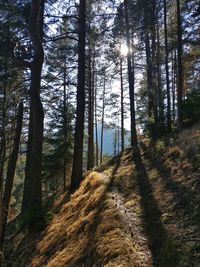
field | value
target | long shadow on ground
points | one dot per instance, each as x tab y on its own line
184	199
163	249
89	253
23	255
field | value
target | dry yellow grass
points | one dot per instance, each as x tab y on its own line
88	231
146	217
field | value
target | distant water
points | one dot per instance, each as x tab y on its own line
108	144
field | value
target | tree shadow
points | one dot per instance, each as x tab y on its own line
89	254
26	249
164	252
183	198
24	253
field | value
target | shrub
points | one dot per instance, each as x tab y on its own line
174	152
191	107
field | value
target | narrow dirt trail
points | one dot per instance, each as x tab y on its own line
126	202
158	201
133	228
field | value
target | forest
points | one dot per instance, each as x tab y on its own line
100	133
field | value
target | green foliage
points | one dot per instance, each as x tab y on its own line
149	128
106	157
18	183
175	152
160	146
191	107
57	147
197	161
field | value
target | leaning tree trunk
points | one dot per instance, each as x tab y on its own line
10	175
77	167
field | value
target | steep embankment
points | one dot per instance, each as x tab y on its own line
131	212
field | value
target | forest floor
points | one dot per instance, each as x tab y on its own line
142	211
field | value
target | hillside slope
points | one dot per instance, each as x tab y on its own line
142	211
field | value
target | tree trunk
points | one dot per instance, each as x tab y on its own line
154	65
134	142
2	161
122	105
25	208
96	125
3	148
180	67
118	138
77	167
167	69
10	174
36	211
149	75
102	119
174	72
161	117
64	128
90	159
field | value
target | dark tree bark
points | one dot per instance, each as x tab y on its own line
102	118
167	69
27	182
122	105
2	161
96	124
154	65
148	61
65	113
149	74
3	130
1	226
180	66
134	142
150	49
90	159
77	167
36	219
174	73
10	175
64	127
161	117
3	147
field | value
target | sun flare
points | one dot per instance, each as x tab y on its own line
124	49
